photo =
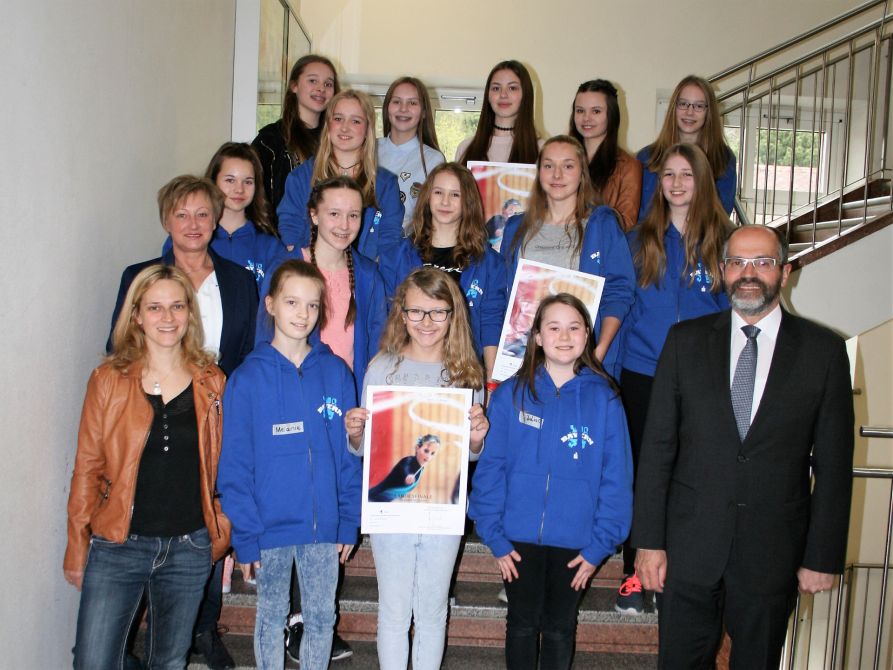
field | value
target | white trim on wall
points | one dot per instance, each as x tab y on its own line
246	50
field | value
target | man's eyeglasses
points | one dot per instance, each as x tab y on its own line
699	107
759	264
436	315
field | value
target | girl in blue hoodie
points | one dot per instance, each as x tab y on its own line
448	233
287	481
552	493
567	227
676	249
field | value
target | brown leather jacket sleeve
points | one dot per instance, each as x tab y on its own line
623	191
86	481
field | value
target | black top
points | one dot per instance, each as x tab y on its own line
442	258
168	500
277	162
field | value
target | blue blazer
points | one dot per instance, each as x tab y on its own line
483	283
238	294
605	253
382	228
372	311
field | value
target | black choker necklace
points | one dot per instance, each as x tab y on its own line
506	130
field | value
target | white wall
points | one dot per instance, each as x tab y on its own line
102	102
850	290
642	45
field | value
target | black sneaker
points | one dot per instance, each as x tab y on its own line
340	648
209	644
630	599
293	633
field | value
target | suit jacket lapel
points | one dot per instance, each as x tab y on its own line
718	348
779	371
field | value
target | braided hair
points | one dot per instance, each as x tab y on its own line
316	196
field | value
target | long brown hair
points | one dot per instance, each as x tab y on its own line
534	357
604	160
301	141
538	204
298	268
313	203
128	337
256	211
325	165
710	137
706	225
524	147
461	366
471	236
426	133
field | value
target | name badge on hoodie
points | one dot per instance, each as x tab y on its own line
288	428
530	420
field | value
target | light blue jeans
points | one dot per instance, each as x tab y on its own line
317	566
414	574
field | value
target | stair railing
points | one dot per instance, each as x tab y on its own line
815	128
847	621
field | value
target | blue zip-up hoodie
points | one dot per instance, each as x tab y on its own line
557	472
372	310
382	228
726	183
659	306
605	253
250	248
483	283
285	475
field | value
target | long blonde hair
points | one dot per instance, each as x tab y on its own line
128	338
710	137
538	204
326	166
706	225
461	367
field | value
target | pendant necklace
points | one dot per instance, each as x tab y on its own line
346	170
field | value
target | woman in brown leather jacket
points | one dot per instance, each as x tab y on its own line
142	514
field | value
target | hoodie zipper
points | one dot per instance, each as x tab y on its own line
310	465
548	484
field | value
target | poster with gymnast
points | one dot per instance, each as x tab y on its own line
505	189
533	282
416	465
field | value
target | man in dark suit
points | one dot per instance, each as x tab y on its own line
726	522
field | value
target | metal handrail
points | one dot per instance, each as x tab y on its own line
837	20
876	431
850	133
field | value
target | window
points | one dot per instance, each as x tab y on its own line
282	41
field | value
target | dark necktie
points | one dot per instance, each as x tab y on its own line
742	382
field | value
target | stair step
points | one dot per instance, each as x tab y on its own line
455	658
476	564
478	619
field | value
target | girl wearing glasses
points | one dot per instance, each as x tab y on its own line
426	342
692	117
448	233
677	251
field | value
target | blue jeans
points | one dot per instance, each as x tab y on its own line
171	571
317	566
414	574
